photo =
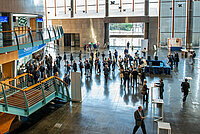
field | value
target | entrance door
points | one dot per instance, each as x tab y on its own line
72	39
67	39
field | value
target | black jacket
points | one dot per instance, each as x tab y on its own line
185	86
138	117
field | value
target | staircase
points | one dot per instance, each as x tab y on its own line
26	100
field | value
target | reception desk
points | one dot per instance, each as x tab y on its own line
157	67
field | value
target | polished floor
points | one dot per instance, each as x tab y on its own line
108	108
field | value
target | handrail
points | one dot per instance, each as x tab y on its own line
61	80
12	86
28	88
19	76
16	42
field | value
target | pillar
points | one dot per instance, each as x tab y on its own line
146	13
189	24
72	8
106	25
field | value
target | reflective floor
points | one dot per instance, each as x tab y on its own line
108	108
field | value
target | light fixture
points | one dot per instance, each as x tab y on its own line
25	15
180	5
112	2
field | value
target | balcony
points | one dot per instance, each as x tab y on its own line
20	39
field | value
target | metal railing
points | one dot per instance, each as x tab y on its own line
43	92
20	39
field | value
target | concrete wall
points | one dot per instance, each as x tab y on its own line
22	6
91	30
85	26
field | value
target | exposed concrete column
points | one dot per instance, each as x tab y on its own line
106	30
146	13
146	8
107	8
106	25
72	8
189	24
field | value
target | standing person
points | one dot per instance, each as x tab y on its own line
75	66
139	118
81	67
116	54
65	58
134	74
193	56
59	60
185	89
68	67
144	92
80	55
126	77
36	75
91	65
128	44
42	69
71	58
110	55
113	63
55	68
98	66
85	62
121	74
92	55
176	58
144	52
106	73
161	87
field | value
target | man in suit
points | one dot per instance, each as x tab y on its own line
139	118
161	87
185	89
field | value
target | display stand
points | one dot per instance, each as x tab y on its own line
190	81
76	86
155	102
152	88
164	125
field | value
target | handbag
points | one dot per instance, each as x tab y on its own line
121	75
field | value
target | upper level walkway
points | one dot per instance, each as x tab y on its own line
20	39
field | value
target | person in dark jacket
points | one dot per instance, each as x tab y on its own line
126	77
176	58
71	58
42	69
144	92
55	68
161	87
134	75
75	66
81	66
106	72
65	58
36	75
139	119
185	89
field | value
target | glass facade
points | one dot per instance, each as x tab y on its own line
96	8
179	20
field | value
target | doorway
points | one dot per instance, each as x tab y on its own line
121	33
72	39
